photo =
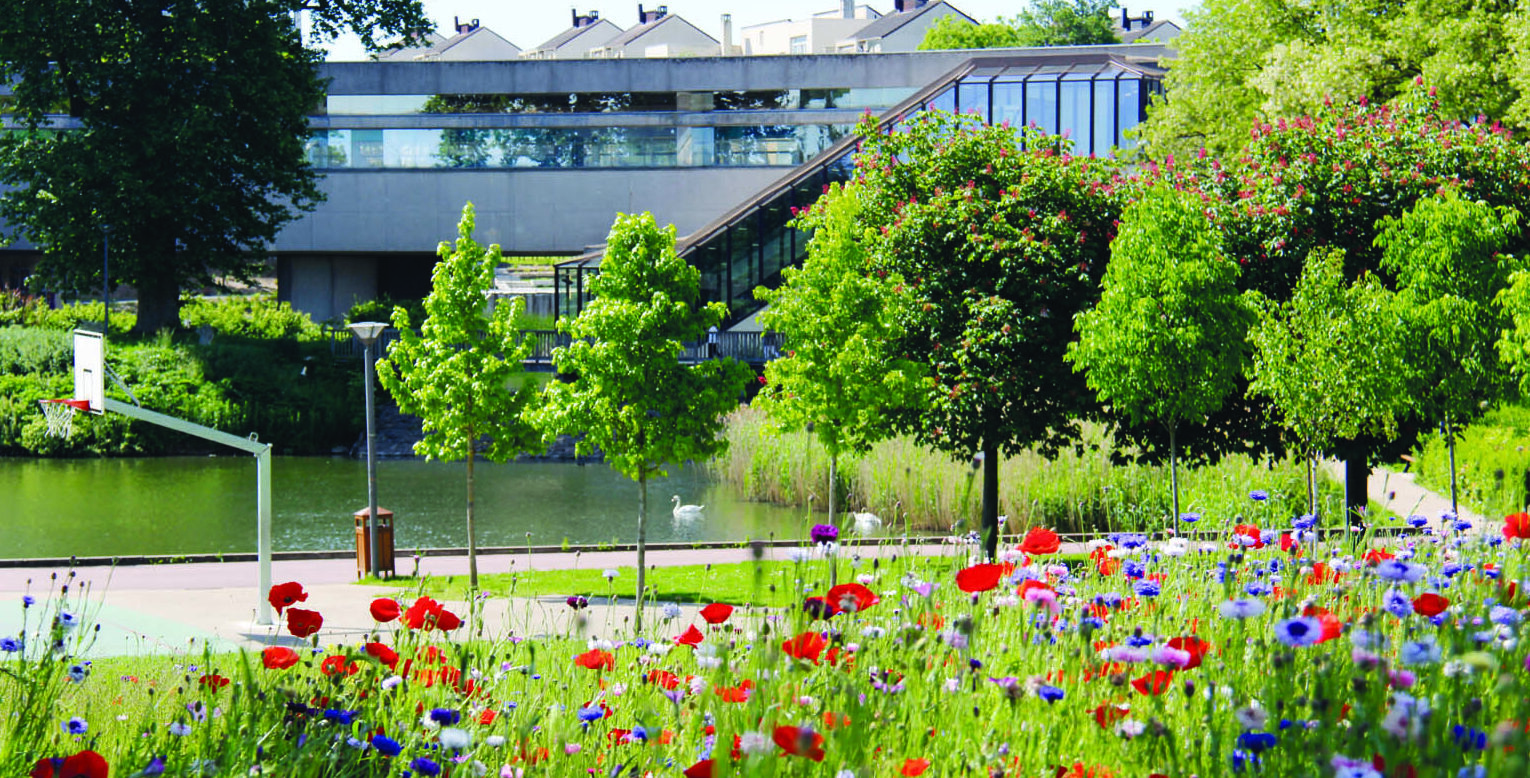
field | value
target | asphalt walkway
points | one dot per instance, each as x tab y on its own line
178	607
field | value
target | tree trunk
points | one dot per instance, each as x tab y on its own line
472	540
1311	482
642	549
1450	445
833	474
1174	473
159	306
1356	496
990	501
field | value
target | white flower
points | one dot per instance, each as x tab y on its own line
1252	717
609	574
1130	728
602	645
806	701
796	554
671	610
865	579
1174	547
494	741
429	723
845	774
755	743
1419	652
178	729
953	685
660	649
872	633
1097	543
452	737
709	662
479	769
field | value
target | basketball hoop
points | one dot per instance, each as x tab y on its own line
60	415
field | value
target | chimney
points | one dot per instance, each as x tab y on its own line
847	9
645	17
897	6
585	20
727	39
462	26
1126	18
1147	18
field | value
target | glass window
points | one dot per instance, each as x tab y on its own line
1104	116
973	98
1041	105
1129	108
945	101
799	44
1075	115
1008	103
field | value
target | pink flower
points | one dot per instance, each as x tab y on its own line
1401	679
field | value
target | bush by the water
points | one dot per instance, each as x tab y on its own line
1077	490
1492	462
267	370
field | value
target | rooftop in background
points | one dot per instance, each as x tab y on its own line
1142	29
472	43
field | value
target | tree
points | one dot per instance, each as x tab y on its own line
458	373
1001	237
1245	61
1447	254
1044	23
837	320
1168	339
1331	359
631	397
184	141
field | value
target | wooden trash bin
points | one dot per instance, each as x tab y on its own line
385	566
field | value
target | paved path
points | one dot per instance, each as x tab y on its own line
1401	494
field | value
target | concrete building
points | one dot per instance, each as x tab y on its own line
588	32
901	30
659	34
472	43
819	34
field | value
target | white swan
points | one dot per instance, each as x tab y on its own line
687	511
867	523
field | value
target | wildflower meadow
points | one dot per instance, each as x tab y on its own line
1212	650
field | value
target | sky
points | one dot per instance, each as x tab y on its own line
527	24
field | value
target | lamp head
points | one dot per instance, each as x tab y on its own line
367	331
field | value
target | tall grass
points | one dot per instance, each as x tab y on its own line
912	486
1492	462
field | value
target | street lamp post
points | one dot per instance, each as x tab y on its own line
368	332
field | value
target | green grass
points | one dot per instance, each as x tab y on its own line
767	584
1492	463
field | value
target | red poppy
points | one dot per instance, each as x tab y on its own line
1332	627
487	716
1248	531
1154	683
1378	555
1194	646
285	594
1516	525
807	645
690	637
384	609
1107	714
664	678
85	764
979	578
717	612
913	767
338	665
278	658
851	598
213	681
738	693
702	769
596	659
795	741
302	623
383	654
1430	604
1287	542
427	614
1029	584
1322	574
1040	541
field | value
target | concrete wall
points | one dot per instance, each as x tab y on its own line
525	211
325	287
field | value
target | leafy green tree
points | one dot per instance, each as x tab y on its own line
838	320
1001	237
184	136
1168	339
458	372
631	397
1242	61
1447	254
1331	359
1044	23
1514	344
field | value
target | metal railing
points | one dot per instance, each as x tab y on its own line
755	348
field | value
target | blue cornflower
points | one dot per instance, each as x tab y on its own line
1397	604
1257	588
1147	588
424	766
591	713
27	601
339	716
824	533
1133	569
1190	518
1090	623
1469	738
386	746
1505	616
1257	742
1128	539
445	716
1461	525
10	645
156	767
1305	521
1259	495
1138	641
78	673
76	726
1303	631
1049	693
1451	569
67	621
639	732
1418	521
1398	570
1108	599
577	602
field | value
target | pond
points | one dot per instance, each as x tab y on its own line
185	505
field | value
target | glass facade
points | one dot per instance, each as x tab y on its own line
1093	105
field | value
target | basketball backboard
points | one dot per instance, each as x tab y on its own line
90	369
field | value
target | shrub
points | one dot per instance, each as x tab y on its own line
252	316
31	350
381	310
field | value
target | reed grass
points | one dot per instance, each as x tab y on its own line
915	487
